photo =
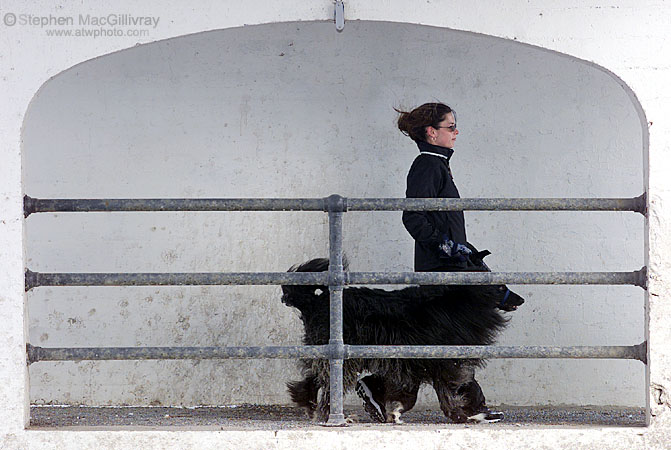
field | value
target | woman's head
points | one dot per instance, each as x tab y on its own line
435	123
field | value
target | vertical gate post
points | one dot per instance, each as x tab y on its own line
336	206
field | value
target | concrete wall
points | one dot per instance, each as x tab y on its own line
297	110
627	38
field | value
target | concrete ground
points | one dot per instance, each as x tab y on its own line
252	417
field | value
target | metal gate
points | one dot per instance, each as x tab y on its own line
336	279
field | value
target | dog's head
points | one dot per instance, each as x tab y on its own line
301	295
501	297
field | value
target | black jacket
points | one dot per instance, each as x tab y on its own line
430	177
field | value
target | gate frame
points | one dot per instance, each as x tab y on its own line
336	351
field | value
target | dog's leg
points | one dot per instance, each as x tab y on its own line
304	393
398	401
396	409
475	399
461	398
324	405
321	390
475	407
451	403
447	379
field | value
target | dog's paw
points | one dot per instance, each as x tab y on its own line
352	418
395	415
458	417
394	418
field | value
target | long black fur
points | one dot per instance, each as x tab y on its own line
420	315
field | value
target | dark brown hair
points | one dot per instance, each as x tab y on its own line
414	123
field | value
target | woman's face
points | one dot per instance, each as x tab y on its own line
445	134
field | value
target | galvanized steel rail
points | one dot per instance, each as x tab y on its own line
38	205
35	354
635	278
336	351
144	353
638	352
37	279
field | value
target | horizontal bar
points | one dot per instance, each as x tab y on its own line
636	278
37	205
334	202
637	352
36	354
37	279
636	204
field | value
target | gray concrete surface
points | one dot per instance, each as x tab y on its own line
273	417
628	38
294	110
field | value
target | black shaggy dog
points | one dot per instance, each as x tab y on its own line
420	315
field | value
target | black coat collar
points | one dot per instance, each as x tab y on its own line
425	147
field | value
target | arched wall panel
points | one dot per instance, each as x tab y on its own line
297	110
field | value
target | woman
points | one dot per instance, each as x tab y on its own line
440	236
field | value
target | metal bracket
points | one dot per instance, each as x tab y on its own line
642	352
642	204
335	203
642	277
30	280
339	15
28	206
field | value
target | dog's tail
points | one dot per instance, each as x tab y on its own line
301	296
304	392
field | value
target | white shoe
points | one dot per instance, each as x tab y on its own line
369	403
486	417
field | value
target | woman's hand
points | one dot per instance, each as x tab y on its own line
453	250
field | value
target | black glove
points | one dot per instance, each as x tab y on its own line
453	251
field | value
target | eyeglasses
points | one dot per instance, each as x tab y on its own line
452	127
